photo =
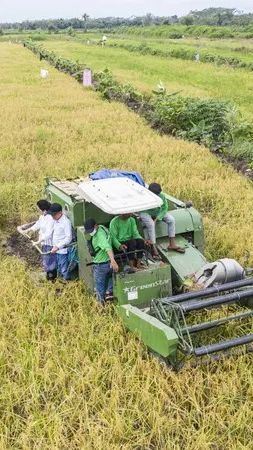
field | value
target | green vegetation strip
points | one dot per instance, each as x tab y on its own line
210	122
184	53
179	31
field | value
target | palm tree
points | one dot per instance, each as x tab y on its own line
85	18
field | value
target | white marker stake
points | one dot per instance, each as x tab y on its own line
87	77
44	73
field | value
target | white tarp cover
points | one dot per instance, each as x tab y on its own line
118	195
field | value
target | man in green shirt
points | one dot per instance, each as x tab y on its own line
127	239
104	264
151	217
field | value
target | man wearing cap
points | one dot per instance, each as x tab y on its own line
62	237
104	264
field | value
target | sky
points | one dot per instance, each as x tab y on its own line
19	10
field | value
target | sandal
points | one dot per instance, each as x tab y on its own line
177	249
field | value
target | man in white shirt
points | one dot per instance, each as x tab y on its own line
45	226
62	237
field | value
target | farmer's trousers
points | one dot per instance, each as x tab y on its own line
103	280
149	226
49	263
63	266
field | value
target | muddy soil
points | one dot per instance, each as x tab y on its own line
239	165
17	245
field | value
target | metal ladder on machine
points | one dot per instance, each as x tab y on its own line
176	312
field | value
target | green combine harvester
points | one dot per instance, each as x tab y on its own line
179	306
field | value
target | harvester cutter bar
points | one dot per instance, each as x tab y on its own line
216	301
213	290
221	346
216	323
175	315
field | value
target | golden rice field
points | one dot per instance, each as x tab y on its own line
72	378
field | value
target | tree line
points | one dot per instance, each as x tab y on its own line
208	16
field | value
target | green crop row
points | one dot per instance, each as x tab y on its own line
183	53
64	65
210	122
180	31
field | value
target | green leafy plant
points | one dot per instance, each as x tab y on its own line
184	53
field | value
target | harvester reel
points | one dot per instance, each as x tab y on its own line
177	312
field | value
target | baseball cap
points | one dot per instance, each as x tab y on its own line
155	188
89	225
